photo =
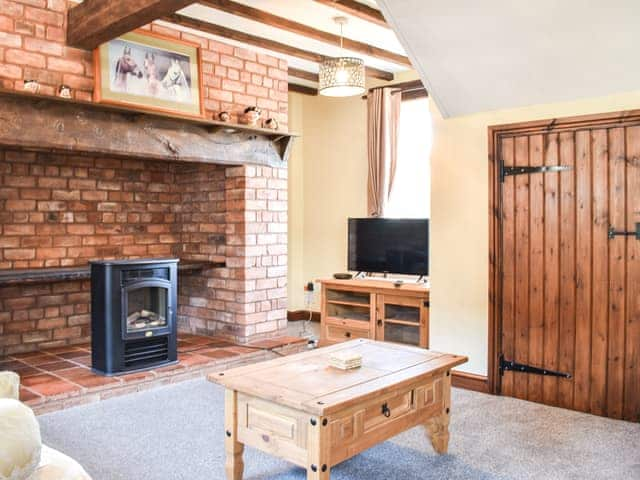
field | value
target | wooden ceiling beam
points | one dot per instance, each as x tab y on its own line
261	42
96	21
357	9
303	74
303	89
282	23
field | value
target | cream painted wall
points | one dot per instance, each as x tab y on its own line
327	181
328	175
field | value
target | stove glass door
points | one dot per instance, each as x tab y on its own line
147	308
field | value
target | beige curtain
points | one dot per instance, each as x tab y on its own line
383	106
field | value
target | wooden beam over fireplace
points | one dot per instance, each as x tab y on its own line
51	124
96	21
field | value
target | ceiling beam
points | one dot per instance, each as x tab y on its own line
96	21
282	23
302	89
303	74
261	42
357	9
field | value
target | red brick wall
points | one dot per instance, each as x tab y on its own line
257	249
248	298
42	315
59	210
32	46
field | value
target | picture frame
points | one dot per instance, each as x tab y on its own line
151	72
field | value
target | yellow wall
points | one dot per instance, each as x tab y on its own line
328	184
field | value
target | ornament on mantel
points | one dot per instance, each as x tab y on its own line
224	116
252	116
271	124
31	86
64	91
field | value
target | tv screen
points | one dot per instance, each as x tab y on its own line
379	245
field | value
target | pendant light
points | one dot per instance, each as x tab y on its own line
341	76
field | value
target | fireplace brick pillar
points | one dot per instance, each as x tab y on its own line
256	250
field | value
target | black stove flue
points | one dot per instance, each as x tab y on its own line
133	314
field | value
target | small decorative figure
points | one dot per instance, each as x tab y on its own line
64	91
224	116
252	115
31	86
271	123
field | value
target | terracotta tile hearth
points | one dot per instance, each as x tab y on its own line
57	378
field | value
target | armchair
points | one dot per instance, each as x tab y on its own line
26	458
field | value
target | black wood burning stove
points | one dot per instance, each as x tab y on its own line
133	314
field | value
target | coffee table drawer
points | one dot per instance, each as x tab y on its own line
273	428
384	416
387	409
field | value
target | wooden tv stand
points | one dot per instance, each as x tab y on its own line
374	309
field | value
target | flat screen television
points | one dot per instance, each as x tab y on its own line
389	245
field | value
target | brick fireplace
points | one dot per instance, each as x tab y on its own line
61	209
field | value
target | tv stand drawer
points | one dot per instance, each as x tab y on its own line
340	331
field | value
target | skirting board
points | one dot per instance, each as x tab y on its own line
303	315
470	381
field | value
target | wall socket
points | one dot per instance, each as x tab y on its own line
309	290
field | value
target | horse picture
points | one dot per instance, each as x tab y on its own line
150	71
125	65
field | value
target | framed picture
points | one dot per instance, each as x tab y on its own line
150	71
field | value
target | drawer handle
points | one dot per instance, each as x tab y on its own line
348	334
379	323
386	411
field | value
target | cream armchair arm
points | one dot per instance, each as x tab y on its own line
22	455
9	385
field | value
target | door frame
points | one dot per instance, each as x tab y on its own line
495	132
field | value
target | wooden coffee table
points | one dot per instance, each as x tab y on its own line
300	409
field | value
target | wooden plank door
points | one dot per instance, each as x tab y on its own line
568	298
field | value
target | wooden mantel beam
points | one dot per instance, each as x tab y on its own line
51	124
96	21
266	43
357	9
282	23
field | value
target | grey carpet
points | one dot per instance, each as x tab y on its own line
176	432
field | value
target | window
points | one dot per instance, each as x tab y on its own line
411	192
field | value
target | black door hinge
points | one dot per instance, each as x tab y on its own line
520	367
525	170
613	233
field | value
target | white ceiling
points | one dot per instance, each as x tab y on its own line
485	55
311	13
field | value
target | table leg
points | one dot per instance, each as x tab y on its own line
318	450
234	465
438	431
438	427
